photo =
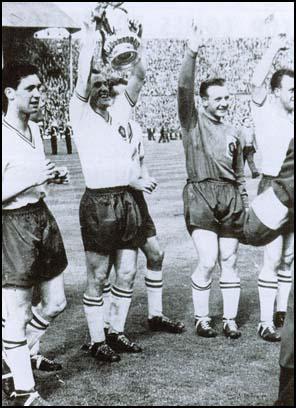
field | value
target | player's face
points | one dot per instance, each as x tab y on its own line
100	93
27	95
39	115
286	93
217	102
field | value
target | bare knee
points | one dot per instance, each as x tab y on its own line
271	263
286	262
228	267
155	260
228	262
207	264
53	307
204	269
126	277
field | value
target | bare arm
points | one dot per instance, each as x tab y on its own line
186	103
143	182
144	169
22	183
259	91
85	60
137	79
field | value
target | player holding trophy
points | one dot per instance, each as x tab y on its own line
110	218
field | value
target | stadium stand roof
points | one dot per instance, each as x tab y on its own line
35	16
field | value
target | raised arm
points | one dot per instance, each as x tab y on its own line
137	79
86	54
186	104
259	90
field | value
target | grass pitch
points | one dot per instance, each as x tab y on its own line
173	370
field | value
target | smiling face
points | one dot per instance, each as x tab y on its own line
100	92
285	93
216	103
26	96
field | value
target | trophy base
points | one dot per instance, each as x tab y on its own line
125	60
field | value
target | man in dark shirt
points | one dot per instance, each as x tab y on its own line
54	139
68	136
163	136
214	197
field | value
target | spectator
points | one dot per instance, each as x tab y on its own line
68	136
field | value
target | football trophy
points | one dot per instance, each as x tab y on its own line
121	37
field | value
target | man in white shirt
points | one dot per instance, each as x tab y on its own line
132	134
109	216
274	128
32	248
262	227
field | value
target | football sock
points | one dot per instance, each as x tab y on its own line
94	312
35	349
200	296
231	295
36	328
119	307
18	360
107	298
154	283
267	294
284	286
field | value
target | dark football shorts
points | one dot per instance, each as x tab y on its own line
264	184
214	206
110	219
148	228
32	246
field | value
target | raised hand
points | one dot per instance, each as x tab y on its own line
196	37
279	42
136	27
90	35
99	12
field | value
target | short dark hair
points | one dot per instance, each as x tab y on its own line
276	79
12	74
205	85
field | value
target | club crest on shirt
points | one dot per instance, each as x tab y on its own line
231	146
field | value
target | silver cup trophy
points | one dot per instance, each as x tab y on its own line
121	37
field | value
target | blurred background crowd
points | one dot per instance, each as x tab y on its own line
232	59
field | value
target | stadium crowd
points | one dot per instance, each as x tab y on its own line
232	59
